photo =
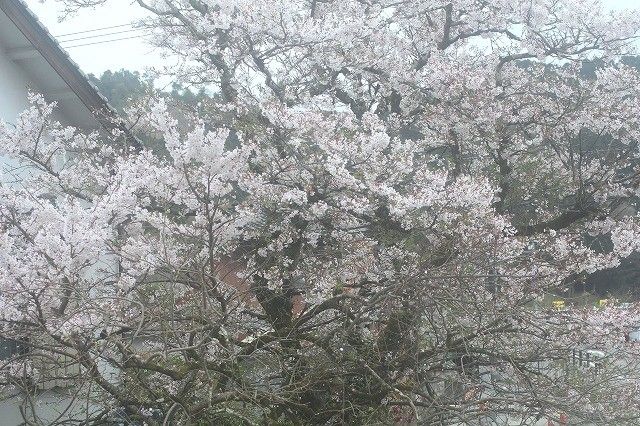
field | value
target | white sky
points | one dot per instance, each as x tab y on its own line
132	53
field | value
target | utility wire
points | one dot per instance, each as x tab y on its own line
104	41
94	30
102	35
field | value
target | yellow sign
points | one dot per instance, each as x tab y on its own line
558	304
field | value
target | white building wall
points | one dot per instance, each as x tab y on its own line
13	89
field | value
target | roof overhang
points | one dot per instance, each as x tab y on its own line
28	44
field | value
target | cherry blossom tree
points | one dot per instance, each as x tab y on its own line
358	230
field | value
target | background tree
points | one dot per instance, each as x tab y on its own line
122	87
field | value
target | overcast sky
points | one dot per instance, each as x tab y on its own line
95	52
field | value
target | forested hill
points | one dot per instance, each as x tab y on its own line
124	87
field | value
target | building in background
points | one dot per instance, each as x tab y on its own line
31	59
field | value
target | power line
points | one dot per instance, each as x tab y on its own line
94	30
105	41
102	35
